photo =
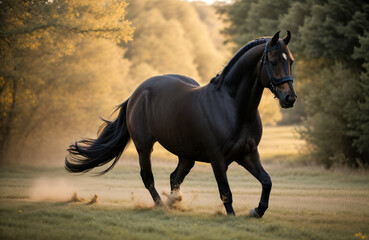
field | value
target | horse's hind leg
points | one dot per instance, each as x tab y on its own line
176	178
146	173
252	163
137	124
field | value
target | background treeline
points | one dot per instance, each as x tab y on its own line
331	45
65	63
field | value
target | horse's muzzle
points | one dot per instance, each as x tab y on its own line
287	100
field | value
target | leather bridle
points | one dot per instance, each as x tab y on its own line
273	82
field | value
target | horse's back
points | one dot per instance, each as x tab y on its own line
161	90
182	78
166	82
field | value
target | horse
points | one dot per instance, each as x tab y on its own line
218	123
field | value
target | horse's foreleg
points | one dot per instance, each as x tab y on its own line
252	163
220	172
176	179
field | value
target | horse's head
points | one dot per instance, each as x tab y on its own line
275	70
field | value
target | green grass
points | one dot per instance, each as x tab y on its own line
307	202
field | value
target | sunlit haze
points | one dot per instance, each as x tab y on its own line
182	100
209	1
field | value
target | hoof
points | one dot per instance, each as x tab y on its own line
173	198
159	203
254	213
231	214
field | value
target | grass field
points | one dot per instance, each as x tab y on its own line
306	202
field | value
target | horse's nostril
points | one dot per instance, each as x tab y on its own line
289	99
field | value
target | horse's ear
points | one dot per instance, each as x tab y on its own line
287	38
275	38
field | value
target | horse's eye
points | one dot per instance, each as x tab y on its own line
273	63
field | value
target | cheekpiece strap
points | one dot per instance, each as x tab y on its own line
273	81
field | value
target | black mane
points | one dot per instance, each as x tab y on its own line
218	79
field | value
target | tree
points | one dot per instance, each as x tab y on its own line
358	118
36	37
171	38
335	34
326	127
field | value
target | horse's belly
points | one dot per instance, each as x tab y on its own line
185	152
180	138
181	131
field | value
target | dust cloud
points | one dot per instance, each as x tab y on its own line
46	189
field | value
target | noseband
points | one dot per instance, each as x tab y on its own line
273	82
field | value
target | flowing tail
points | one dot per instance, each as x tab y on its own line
112	139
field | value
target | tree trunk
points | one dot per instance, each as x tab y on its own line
4	141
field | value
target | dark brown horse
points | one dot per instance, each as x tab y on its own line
218	123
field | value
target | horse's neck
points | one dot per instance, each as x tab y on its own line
241	81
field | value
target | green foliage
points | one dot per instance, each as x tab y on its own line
336	97
359	117
332	29
330	43
327	127
250	19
